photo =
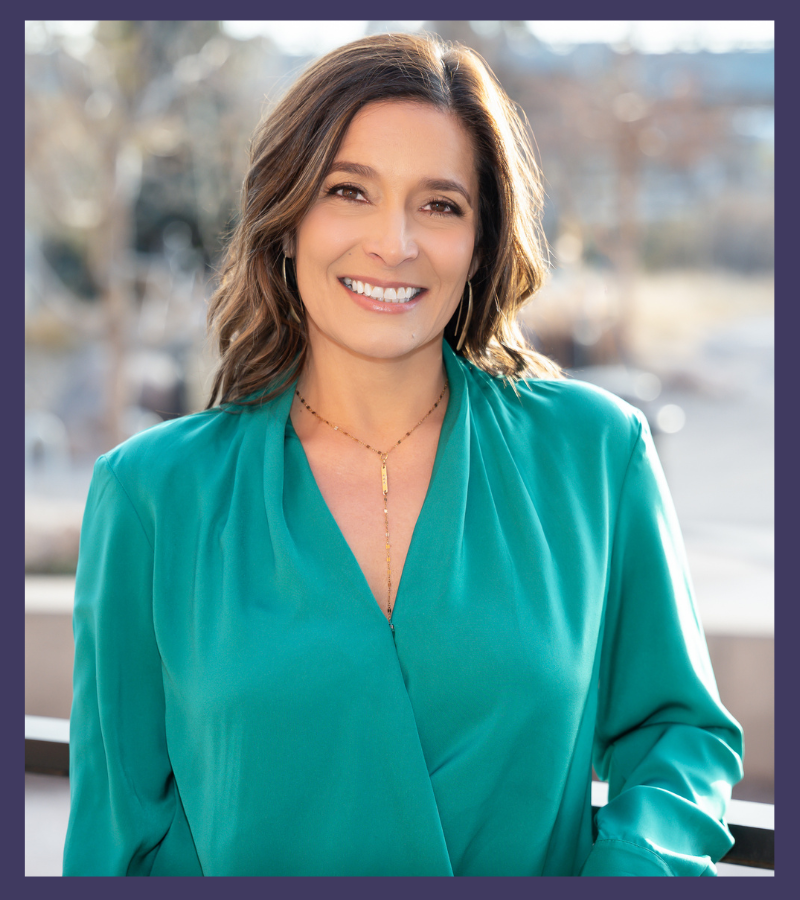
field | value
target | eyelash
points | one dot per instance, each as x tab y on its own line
454	207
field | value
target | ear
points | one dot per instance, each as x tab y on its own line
474	266
288	247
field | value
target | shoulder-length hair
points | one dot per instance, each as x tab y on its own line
256	314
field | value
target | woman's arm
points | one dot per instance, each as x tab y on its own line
666	745
126	817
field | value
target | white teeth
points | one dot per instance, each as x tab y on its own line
387	295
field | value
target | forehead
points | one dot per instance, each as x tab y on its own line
406	139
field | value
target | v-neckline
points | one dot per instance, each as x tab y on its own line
442	508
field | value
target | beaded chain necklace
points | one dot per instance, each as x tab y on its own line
384	481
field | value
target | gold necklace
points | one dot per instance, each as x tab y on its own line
384	481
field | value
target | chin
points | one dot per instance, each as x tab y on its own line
383	346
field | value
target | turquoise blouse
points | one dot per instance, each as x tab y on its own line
242	706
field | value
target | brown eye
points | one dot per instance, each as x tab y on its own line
347	192
442	208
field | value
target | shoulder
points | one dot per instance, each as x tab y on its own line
561	409
180	456
168	443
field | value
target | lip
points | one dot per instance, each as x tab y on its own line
381	306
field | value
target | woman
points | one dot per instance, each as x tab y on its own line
380	610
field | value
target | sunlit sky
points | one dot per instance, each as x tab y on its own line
645	36
648	36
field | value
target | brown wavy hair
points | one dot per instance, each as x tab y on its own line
258	319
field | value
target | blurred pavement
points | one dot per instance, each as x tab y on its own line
720	469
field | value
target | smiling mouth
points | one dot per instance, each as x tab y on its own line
387	295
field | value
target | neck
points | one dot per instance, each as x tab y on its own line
375	399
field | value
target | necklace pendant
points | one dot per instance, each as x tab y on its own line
384	477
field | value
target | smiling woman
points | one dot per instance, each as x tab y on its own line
406	227
451	127
381	606
404	224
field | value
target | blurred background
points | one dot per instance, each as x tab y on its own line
656	140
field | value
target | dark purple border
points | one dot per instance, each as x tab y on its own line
787	610
787	533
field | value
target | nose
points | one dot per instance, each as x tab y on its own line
390	238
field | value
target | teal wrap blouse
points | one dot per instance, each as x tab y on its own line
242	707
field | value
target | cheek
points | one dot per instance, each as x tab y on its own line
322	239
454	255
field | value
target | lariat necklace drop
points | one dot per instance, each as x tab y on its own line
384	481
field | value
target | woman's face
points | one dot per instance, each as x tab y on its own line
384	253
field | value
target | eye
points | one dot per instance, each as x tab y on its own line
347	192
443	208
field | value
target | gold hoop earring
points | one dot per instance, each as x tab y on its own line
463	337
292	311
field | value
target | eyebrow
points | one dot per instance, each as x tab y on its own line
431	184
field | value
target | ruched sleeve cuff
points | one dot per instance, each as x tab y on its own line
611	858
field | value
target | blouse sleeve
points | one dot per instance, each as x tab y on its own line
126	817
663	741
